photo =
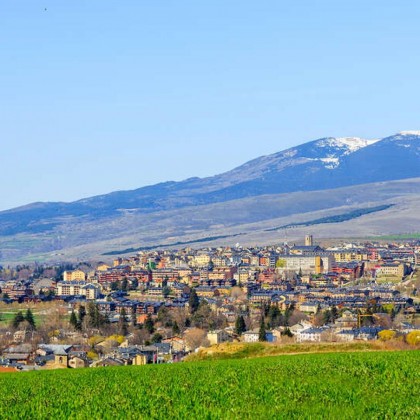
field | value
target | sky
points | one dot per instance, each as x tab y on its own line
98	96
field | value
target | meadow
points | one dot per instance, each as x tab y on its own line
334	385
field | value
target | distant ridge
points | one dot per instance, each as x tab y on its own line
326	164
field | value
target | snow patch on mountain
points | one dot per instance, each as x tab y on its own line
352	144
330	162
409	133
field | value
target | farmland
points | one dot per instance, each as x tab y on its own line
335	385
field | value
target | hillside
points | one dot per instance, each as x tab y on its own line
325	177
351	385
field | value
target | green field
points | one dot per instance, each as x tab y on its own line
337	385
7	317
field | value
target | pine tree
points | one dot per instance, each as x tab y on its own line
82	314
94	317
74	322
124	284
334	313
123	323
262	332
17	319
274	316
149	324
193	301
240	326
29	317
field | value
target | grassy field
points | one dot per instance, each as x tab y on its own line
250	350
7	317
335	385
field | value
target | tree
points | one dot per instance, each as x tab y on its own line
193	301
17	319
195	337
262	332
202	317
124	284
123	323
274	316
134	284
164	316
29	317
240	326
166	291
149	324
413	338
157	338
82	314
288	313
74	322
287	332
175	328
334	313
114	286
94	318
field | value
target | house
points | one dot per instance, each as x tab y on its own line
294	329
177	343
310	334
253	336
21	335
217	336
250	336
55	356
347	321
367	333
108	361
18	354
77	360
310	307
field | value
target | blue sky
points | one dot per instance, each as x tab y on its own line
97	96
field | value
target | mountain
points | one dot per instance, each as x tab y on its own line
326	164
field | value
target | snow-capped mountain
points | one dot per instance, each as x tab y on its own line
322	164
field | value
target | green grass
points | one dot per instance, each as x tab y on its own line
381	385
7	317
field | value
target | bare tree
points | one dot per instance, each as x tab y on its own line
196	337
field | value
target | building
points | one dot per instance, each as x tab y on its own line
74	275
310	263
217	336
310	334
253	336
397	270
78	288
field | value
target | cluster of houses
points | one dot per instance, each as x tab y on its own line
231	281
24	357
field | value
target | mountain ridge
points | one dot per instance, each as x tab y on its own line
326	164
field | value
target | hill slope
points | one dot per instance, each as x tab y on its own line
266	188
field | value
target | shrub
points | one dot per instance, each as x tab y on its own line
413	338
386	335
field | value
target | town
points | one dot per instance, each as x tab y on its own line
159	306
